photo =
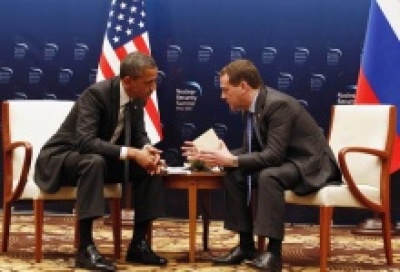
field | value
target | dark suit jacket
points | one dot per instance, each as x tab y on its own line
88	129
287	133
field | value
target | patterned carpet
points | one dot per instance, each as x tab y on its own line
300	249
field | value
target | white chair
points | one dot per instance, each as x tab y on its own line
361	136
27	125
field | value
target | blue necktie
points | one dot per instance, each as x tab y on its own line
249	131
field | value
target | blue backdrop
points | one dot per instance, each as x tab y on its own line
309	49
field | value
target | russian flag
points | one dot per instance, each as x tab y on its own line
379	77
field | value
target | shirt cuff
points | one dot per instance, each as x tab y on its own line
124	153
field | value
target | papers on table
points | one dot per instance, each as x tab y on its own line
207	141
177	170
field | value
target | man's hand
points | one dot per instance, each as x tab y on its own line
221	157
148	157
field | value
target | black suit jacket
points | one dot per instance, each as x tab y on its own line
286	132
88	129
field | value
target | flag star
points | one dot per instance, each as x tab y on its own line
115	39
111	14
118	28
131	20
109	24
128	32
141	24
143	14
121	17
133	9
123	5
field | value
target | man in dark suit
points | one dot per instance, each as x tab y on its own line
288	151
89	150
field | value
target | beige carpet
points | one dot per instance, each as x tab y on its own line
300	249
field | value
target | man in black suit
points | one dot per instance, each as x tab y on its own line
288	151
89	150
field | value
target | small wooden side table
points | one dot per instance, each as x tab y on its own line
192	182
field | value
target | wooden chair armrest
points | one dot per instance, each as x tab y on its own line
348	177
9	149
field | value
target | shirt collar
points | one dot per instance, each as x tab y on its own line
252	107
123	97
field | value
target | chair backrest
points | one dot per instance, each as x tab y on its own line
34	121
368	126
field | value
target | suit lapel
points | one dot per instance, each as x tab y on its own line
260	104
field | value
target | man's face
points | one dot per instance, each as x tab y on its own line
232	95
143	86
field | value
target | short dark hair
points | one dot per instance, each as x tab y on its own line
135	63
242	70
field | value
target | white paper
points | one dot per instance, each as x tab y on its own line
207	141
177	170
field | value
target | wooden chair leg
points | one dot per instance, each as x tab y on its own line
325	217
149	235
387	237
6	226
39	215
261	244
116	220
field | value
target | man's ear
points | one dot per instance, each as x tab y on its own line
244	86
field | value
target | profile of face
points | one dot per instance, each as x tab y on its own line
234	96
143	86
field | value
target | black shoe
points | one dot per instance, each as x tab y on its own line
142	253
267	262
235	256
91	259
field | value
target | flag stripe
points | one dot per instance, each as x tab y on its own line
153	115
367	95
391	9
377	57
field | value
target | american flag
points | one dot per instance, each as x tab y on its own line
126	32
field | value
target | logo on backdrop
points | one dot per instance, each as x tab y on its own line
186	97
204	54
5	74
92	75
65	76
35	74
317	82
20	95
268	55
80	51
20	50
50	51
303	102
160	77
301	55
347	96
237	52
221	130
173	53
187	131
333	56
50	96
284	81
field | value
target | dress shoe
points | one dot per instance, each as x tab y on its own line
142	253
235	256
91	259
267	262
